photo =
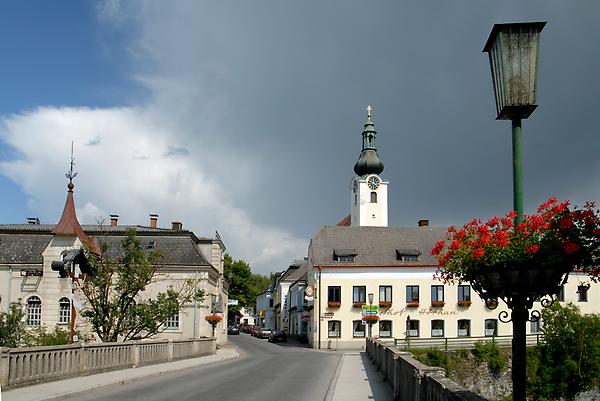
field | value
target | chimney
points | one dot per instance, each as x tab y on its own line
153	220
423	223
176	226
114	219
33	220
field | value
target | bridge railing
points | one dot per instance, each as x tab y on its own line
454	343
28	365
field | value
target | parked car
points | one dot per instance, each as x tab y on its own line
263	333
278	336
233	330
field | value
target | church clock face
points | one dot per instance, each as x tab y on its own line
373	183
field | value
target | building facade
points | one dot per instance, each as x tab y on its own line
28	250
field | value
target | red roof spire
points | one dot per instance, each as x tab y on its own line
68	224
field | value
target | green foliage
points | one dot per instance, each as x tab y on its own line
41	336
243	284
569	360
490	353
12	327
117	307
432	357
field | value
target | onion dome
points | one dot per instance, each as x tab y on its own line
368	161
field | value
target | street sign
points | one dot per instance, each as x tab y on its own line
327	315
370	308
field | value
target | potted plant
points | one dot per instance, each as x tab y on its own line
385	304
213	320
358	304
333	304
437	304
524	262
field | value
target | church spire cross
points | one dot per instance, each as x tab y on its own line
70	174
369	109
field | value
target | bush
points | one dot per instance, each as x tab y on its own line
489	352
12	327
432	357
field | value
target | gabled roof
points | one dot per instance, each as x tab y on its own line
376	245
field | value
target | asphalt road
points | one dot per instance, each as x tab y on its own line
263	372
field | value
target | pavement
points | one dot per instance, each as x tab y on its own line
355	378
71	388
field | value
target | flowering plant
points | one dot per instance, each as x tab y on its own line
385	304
370	319
333	304
412	304
437	303
213	319
556	237
358	304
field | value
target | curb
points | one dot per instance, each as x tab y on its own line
333	383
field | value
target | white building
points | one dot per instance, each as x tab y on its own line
28	250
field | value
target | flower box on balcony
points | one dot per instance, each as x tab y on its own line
385	304
437	304
464	303
413	304
357	304
332	304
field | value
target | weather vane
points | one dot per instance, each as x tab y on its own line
369	109
70	174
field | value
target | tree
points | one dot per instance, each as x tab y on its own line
12	327
569	360
118	308
244	286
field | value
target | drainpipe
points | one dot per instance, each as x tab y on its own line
319	316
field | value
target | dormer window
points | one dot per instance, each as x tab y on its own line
408	255
151	245
344	255
373	197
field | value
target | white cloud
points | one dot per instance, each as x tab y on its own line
127	172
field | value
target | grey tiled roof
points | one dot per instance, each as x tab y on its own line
296	274
375	245
23	248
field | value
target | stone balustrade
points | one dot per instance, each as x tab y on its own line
411	380
21	366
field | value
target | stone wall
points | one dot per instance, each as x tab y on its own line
413	381
23	366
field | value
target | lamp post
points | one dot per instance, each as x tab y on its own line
370	311
513	51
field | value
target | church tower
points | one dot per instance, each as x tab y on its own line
369	205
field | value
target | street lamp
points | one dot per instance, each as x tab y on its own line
513	51
370	311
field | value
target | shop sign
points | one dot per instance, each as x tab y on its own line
327	315
309	293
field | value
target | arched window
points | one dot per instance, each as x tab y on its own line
373	197
34	311
64	310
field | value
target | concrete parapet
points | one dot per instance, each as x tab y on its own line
411	380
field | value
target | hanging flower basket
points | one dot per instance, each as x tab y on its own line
370	319
332	304
524	262
385	304
213	320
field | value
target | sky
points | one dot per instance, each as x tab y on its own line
245	117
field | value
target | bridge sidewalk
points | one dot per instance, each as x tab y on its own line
357	379
61	389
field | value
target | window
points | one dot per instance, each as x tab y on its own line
464	328
344	255
437	293
151	245
408	255
172	322
333	329
359	293
64	311
464	293
355	199
358	328
409	258
491	327
385	328
34	311
373	197
437	328
334	294
271	303
413	328
535	326
412	293
561	294
385	293
582	293
348	258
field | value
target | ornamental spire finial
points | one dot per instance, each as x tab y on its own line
70	174
369	109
